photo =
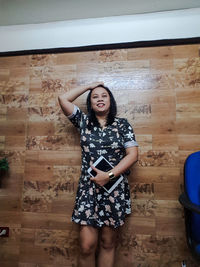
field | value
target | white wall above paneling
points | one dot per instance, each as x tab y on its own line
15	12
118	29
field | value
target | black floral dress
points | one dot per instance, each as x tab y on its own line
93	205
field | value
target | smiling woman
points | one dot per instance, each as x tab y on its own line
96	210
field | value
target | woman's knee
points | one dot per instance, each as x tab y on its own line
87	248
108	239
88	240
107	244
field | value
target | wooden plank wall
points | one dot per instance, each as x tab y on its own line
158	90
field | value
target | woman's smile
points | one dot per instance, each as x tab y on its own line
100	105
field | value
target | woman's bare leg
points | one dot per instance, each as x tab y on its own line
107	247
88	245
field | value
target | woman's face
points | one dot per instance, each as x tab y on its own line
100	101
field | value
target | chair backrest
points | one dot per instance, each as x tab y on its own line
192	177
192	188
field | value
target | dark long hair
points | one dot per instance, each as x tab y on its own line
112	112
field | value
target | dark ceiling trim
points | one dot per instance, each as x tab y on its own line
165	42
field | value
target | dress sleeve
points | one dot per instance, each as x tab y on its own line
129	135
77	117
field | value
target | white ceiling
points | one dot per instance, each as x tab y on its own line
15	12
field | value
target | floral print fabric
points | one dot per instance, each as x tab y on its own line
93	205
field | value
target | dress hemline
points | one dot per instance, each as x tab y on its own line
100	226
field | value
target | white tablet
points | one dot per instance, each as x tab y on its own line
104	165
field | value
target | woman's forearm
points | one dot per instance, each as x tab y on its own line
126	162
76	92
73	94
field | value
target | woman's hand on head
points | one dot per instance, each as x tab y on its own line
95	84
101	177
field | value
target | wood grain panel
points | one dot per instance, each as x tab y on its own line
158	90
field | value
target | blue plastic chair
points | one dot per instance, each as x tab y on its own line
190	199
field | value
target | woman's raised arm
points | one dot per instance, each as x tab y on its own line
66	99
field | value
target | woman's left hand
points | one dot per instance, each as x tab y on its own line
101	177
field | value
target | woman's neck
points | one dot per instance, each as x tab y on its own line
102	120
